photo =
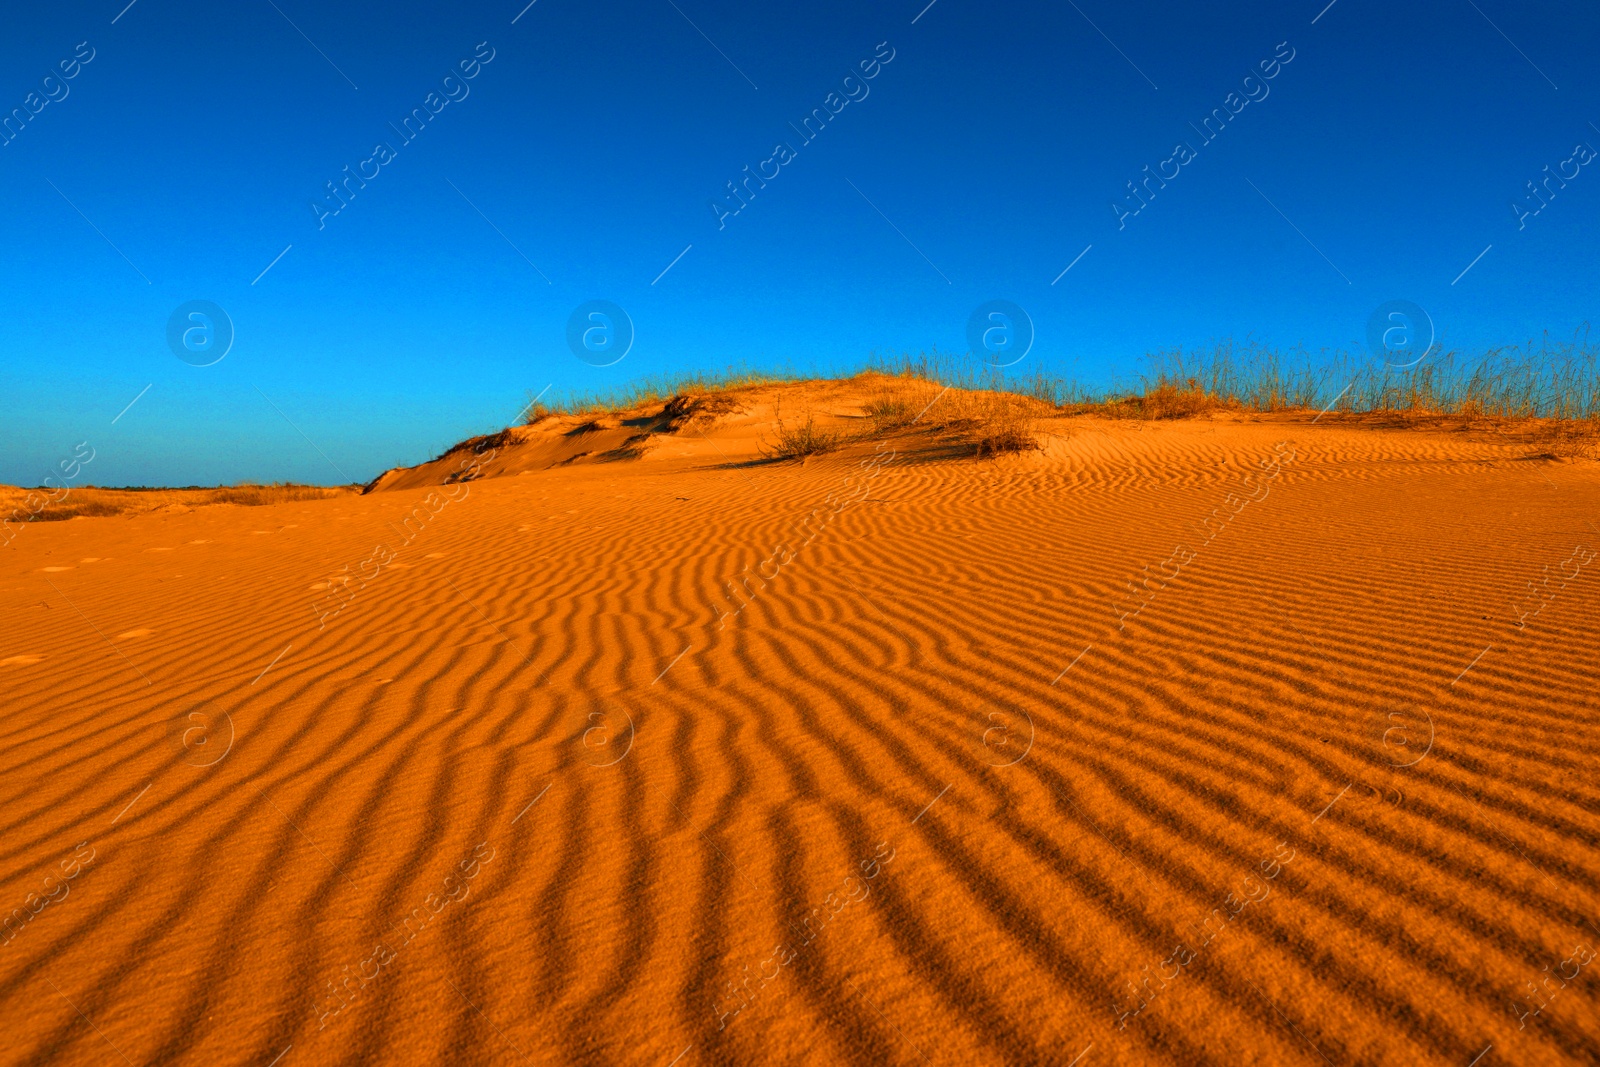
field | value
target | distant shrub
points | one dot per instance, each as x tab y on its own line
92	501
248	494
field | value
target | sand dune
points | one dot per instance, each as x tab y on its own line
1234	740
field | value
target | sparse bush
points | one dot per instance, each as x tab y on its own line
1006	439
1172	399
800	442
1006	423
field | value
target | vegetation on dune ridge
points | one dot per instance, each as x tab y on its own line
1550	379
653	389
1547	393
1553	386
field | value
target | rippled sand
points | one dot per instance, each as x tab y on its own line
1199	742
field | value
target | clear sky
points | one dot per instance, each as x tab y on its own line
581	157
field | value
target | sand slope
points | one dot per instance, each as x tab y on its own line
926	783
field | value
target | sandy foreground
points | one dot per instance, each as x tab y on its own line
1213	741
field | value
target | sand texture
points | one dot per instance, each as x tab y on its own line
1215	741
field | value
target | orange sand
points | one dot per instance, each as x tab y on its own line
540	791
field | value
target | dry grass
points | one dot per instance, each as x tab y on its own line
1006	439
899	402
802	441
38	505
1543	379
890	409
1557	381
1166	397
651	390
1571	437
1562	438
1005	423
19	507
251	495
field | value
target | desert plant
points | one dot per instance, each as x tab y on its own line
899	403
802	441
249	494
1550	379
650	390
888	408
1005	423
92	501
1007	439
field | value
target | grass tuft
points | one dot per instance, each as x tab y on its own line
802	441
1006	424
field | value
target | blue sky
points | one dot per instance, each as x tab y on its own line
582	158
